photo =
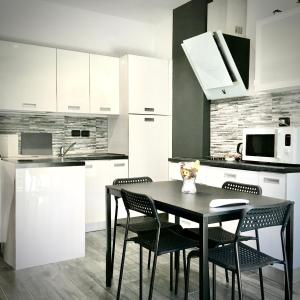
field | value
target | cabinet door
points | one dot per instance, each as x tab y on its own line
272	185
72	81
119	169
277	52
104	84
27	77
97	177
148	85
148	146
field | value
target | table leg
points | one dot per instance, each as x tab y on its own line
203	261
290	252
177	253
108	239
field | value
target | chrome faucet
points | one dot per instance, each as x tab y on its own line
63	152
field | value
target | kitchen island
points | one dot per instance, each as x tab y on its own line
42	211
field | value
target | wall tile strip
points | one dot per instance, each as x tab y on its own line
230	117
60	127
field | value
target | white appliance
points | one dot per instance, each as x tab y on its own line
274	145
9	145
220	63
148	146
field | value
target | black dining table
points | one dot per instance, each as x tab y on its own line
168	198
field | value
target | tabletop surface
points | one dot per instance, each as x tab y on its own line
168	193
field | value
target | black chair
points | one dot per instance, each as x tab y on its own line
138	226
159	241
217	235
238	257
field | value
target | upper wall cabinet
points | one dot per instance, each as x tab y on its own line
277	52
147	84
27	77
104	84
72	81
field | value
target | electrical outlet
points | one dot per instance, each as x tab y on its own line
284	121
75	133
85	133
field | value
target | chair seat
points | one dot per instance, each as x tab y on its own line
170	240
216	236
250	258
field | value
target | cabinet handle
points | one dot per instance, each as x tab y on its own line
105	109
73	107
89	166
29	105
229	175
149	109
119	165
149	119
271	180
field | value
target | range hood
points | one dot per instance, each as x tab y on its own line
220	62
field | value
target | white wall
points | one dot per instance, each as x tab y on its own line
257	10
72	28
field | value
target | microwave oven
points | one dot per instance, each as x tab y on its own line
273	145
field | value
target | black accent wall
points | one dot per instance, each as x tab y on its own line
191	110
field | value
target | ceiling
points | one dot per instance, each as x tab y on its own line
151	11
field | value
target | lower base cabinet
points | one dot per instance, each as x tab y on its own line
100	173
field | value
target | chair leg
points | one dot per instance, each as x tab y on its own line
286	274
176	276
226	276
149	260
233	286
114	239
187	278
122	267
141	272
171	271
239	281
152	276
184	261
261	284
214	282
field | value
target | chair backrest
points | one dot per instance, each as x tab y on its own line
132	180
241	187
139	203
262	217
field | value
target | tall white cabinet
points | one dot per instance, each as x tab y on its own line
142	130
27	77
72	81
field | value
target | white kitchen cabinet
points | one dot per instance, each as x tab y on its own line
72	82
100	173
277	52
148	146
27	77
104	84
42	217
147	85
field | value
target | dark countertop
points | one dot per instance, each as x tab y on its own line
74	160
250	166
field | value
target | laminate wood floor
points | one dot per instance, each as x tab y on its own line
84	278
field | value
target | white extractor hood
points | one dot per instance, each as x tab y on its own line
220	62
